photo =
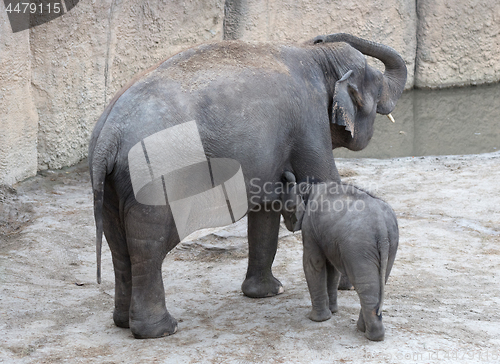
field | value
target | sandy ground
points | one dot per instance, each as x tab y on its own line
442	300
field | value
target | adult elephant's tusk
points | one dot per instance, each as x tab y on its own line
391	118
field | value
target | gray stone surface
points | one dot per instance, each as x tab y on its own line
18	118
53	311
68	65
391	22
145	33
56	78
458	43
83	58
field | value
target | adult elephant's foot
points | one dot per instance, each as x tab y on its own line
146	329
266	286
263	228
121	319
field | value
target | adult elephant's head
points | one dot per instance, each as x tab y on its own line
360	91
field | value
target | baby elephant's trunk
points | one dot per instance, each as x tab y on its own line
383	248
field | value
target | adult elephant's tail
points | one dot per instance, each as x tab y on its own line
103	148
102	154
98	189
98	171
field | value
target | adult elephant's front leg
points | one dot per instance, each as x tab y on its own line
263	228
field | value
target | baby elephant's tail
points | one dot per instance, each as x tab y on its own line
383	248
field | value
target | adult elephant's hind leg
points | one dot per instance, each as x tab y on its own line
263	228
115	236
149	239
123	275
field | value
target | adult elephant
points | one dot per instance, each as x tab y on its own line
269	107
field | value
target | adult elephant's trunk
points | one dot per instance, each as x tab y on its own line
395	67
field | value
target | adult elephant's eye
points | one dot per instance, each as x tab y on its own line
318	39
355	96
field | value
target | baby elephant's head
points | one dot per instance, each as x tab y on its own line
294	199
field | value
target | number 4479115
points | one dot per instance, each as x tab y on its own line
34	8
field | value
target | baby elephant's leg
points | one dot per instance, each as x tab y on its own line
316	275
345	284
371	324
370	321
333	279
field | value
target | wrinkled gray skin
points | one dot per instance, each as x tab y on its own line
345	231
270	107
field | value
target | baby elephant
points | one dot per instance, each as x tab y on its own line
344	230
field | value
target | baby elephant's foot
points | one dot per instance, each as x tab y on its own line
146	330
361	322
319	316
375	331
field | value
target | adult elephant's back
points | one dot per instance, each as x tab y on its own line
251	111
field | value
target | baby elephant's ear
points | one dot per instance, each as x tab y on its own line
291	200
299	215
303	190
343	108
289	177
295	207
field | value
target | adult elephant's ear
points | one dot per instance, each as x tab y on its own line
343	108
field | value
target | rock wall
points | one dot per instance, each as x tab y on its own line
458	43
80	60
68	68
391	22
18	117
56	78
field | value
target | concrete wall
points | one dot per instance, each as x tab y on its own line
80	60
18	117
56	78
391	22
68	68
458	42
